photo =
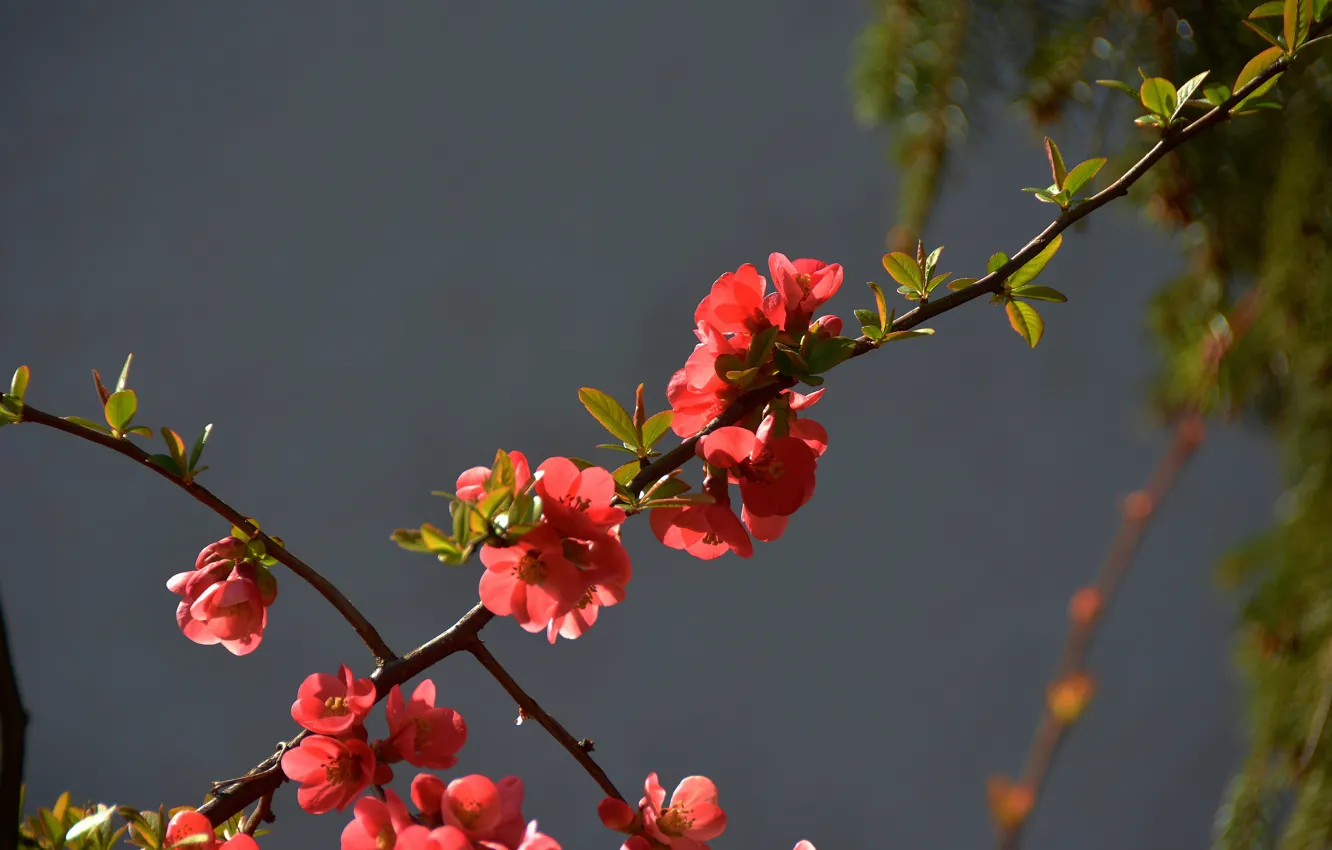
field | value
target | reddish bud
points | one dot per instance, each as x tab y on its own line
1085	606
1068	697
1010	802
1191	431
1138	506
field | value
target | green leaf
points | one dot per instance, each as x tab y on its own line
656	427
19	385
624	474
789	361
997	261
1025	320
609	413
1264	35
1056	163
90	823
666	488
88	423
102	392
688	500
501	474
1043	195
141	431
880	304
1298	15
1319	6
1217	93
961	283
931	261
1274	9
1149	121
175	446
936	280
824	354
1082	173
1039	293
618	447
742	377
462	515
896	335
411	539
120	408
1256	66
1186	91
903	269
867	318
123	381
1035	265
872	331
760	346
1159	96
1120	87
168	463
199	445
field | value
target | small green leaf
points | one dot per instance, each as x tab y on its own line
617	447
1319	6
141	431
87	423
501	474
1043	195
1141	73
688	500
656	427
1039	293
120	409
1056	163
1159	96
462	515
91	822
880	304
1256	66
903	269
1186	91
1274	9
606	410
175	446
742	377
1298	15
824	354
935	281
102	392
123	381
931	261
867	318
19	385
1026	321
873	331
997	261
961	283
896	335
1149	121
1120	87
624	474
789	361
666	488
410	539
640	413
1082	173
760	346
1264	35
168	463
1217	93
1035	265
199	445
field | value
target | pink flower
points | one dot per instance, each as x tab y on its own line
776	475
577	502
471	484
765	528
230	612
534	840
482	810
803	844
692	818
422	734
188	824
804	286
331	772
443	838
227	549
619	815
377	823
583	615
695	408
531	580
333	705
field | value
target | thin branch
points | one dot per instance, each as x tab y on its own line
13	726
1138	510
529	708
325	588
263	812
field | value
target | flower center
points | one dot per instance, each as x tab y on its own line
343	769
529	569
674	821
578	503
805	282
422	733
468	813
336	706
712	539
587	598
386	838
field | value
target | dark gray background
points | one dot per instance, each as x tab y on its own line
373	243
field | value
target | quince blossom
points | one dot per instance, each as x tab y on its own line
422	734
333	705
331	772
377	824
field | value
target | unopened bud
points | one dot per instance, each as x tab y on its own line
1068	697
1191	431
1085	606
1010	802
226	549
1138	506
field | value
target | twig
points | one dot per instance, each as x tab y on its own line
529	708
325	588
262	812
13	725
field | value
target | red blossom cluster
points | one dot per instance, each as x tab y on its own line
226	597
556	576
692	818
773	454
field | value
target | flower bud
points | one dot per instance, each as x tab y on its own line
1068	697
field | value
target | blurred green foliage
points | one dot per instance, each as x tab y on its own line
1251	205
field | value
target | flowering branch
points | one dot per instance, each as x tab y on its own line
325	588
13	725
529	708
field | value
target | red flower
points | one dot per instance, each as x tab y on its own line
483	810
804	286
531	580
776	475
704	531
736	303
422	734
577	502
583	615
333	705
377	823
225	598
695	408
331	772
692	818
